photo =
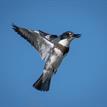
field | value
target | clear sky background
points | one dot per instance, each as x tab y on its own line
81	80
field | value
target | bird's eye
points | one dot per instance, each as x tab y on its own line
68	33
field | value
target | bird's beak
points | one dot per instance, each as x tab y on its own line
76	35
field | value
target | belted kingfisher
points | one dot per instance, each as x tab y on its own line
52	49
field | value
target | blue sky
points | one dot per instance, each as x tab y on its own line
81	80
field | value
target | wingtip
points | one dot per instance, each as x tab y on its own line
15	27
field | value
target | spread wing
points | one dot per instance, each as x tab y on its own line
42	45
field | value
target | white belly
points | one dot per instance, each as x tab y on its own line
56	59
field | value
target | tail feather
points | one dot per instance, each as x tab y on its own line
43	83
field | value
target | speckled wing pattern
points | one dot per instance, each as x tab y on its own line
37	39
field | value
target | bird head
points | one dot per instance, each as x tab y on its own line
67	37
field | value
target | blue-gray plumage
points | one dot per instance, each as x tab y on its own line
52	49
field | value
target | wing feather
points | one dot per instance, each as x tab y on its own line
42	45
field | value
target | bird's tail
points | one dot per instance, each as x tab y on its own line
43	83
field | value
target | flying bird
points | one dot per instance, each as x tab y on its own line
52	49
